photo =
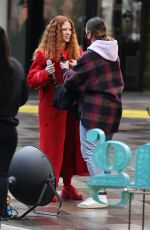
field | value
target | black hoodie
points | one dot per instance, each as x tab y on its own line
18	90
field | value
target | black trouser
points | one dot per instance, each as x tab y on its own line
8	143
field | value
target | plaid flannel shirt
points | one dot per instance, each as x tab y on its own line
100	83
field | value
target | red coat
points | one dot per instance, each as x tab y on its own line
59	130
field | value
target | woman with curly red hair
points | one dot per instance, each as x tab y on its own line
59	129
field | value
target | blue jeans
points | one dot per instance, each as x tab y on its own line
87	151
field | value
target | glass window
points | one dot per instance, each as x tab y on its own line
131	37
105	10
131	19
17	18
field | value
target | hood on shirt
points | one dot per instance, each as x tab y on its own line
106	49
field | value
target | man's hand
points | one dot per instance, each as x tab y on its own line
72	63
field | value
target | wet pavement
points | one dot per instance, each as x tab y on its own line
134	131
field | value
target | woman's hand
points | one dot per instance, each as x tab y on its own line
64	65
50	69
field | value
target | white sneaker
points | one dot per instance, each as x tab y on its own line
90	203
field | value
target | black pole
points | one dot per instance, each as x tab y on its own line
34	28
90	11
91	8
117	23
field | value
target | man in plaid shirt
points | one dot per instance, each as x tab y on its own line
97	77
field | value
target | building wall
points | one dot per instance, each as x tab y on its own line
3	13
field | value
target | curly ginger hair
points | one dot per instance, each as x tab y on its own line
51	41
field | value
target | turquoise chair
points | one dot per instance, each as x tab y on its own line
117	179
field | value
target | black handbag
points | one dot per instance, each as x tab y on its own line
64	98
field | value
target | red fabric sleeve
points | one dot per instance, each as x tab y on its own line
37	76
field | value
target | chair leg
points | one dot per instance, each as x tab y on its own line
143	210
129	217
